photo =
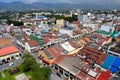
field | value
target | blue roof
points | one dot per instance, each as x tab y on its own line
115	34
46	30
38	32
52	26
109	61
114	69
116	63
41	17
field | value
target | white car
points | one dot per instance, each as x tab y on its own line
11	64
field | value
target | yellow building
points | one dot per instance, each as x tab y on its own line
60	23
45	58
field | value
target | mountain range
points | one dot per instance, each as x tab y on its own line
38	5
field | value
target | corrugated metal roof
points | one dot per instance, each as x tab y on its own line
52	52
104	75
47	53
116	63
108	62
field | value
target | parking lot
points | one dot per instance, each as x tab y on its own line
6	66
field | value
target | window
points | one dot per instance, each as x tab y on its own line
8	59
56	67
12	57
16	55
20	54
3	60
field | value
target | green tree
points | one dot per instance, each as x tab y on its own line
0	22
16	23
42	74
114	40
30	64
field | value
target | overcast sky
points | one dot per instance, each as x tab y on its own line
68	1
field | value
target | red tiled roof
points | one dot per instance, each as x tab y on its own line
8	50
93	50
94	54
33	43
104	75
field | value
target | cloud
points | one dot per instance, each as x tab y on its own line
32	1
92	1
66	1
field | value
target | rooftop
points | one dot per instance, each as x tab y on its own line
21	77
116	48
103	32
104	75
76	66
33	43
5	42
8	50
92	53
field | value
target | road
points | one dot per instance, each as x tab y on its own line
7	66
55	77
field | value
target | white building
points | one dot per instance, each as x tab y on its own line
66	31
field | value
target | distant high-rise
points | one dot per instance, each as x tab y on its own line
80	16
17	15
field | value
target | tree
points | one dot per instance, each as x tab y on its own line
0	22
114	40
16	23
38	73
29	63
42	74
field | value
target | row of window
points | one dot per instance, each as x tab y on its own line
9	58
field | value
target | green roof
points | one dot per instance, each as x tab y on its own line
115	34
103	32
39	40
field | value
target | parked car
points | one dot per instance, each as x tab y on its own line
14	70
11	64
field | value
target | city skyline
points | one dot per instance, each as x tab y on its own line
68	1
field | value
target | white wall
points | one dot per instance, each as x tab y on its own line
64	31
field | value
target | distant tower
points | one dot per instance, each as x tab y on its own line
71	13
80	16
36	15
17	15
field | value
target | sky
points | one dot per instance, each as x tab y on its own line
68	1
